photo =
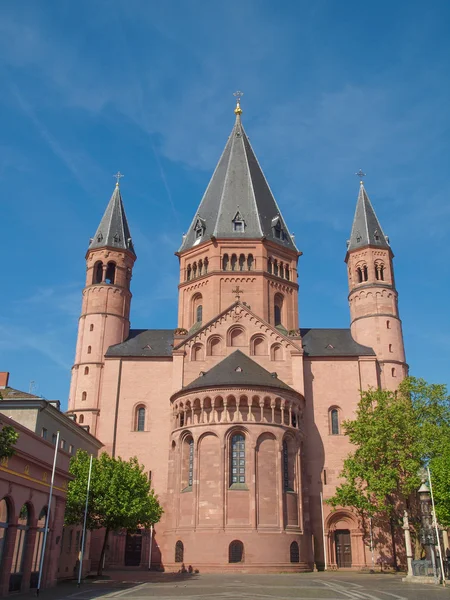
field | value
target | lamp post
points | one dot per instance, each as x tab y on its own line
427	535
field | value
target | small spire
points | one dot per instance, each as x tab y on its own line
238	109
118	176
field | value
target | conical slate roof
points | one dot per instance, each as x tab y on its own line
238	192
238	369
113	230
366	229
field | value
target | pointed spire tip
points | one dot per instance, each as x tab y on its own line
238	110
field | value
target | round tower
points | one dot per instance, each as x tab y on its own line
105	312
373	298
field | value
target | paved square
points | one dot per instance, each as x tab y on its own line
307	586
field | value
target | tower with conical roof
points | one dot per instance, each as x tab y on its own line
373	297
238	245
105	312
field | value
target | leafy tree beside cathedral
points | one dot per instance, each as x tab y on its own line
120	495
395	435
8	438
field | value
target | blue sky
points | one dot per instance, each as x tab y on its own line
146	87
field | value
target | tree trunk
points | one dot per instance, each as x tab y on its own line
394	547
102	555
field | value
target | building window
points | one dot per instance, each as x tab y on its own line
294	553
44	433
199	314
236	552
140	419
179	552
334	418
89	349
84	396
269	266
20	543
233	262
110	276
393	372
71	449
225	261
238	226
278	309
81	419
285	466
191	463
237	462
91	327
98	273
54	438
388	324
390	347
86	370
365	273
250	262
62	444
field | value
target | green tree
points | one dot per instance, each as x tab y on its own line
8	438
120	495
395	434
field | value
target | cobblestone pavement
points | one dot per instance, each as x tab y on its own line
307	586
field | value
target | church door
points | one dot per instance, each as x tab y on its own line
343	548
133	549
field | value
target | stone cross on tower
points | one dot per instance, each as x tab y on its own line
360	174
238	292
118	176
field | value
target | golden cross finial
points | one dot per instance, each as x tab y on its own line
238	292
360	174
238	95
118	175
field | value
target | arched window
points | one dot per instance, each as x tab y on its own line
269	266
38	543
214	345
276	352
365	273
286	273
390	347
250	262
194	270
393	372
86	370
98	273
179	552
334	421
197	308
258	346
199	313
140	419
197	352
205	266
359	276
382	272
236	337
188	272
89	349
237	459
20	544
110	276
81	419
294	553
4	521
233	262
285	466
225	262
91	327
275	267
241	262
388	324
236	552
187	460
278	309
84	396
200	268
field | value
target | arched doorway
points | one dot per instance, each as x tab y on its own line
38	547
20	544
343	544
133	548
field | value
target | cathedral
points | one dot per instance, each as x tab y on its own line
236	413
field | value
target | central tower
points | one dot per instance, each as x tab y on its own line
238	245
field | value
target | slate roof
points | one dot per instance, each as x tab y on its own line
366	229
9	393
144	342
238	369
238	190
113	230
159	343
332	342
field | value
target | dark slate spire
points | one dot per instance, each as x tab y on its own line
113	230
238	202
366	229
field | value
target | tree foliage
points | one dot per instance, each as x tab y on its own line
120	495
394	434
8	438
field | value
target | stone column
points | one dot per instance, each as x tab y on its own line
261	406
408	546
8	551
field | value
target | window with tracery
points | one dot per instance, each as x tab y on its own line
179	552
237	459
294	553
140	419
236	552
334	421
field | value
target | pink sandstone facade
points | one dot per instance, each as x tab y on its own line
236	414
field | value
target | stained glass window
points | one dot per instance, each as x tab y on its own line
237	458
